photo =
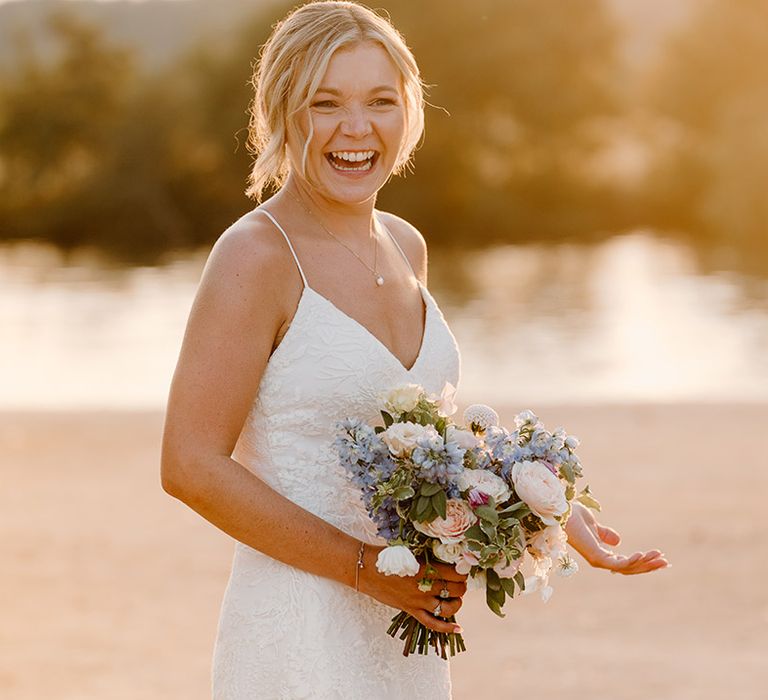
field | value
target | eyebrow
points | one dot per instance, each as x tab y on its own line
378	88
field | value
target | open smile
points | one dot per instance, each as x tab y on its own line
352	161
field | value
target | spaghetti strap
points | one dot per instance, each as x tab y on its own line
405	257
288	241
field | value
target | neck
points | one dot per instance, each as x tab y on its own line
348	221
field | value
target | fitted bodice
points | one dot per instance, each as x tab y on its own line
329	366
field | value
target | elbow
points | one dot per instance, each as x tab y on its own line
174	475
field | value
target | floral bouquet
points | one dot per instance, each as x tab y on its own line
478	496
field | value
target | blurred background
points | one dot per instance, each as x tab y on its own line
592	187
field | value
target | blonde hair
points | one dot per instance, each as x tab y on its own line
290	67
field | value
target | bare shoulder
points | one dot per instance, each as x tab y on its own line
252	252
411	241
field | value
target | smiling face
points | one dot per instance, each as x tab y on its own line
358	119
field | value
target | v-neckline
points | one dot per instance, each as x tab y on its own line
376	339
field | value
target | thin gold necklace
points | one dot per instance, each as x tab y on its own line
379	279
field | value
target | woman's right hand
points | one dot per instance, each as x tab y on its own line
402	592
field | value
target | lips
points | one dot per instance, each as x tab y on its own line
350	163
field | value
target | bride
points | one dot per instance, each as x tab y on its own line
309	307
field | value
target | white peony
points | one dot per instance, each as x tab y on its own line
541	490
448	552
458	519
482	415
397	560
402	399
549	542
463	438
401	437
484	481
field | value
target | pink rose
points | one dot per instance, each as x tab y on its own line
458	519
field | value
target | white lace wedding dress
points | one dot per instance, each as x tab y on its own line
285	634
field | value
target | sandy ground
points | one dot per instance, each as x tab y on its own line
110	589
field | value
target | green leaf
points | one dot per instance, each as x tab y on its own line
567	471
492	580
440	503
428	489
520	580
493	602
586	498
402	492
474	534
488	514
512	508
379	429
508	584
488	529
388	420
421	505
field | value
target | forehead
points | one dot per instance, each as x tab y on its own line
360	67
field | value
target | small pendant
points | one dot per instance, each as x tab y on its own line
379	280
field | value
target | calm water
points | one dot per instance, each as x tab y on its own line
630	319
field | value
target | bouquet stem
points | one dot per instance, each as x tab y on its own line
418	638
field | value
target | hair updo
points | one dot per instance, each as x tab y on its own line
289	70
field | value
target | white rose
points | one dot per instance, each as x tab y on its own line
401	437
541	490
397	560
450	552
484	481
463	438
549	542
458	519
401	399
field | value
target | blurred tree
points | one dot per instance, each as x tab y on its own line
92	150
57	118
711	87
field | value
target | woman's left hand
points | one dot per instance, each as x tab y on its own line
587	537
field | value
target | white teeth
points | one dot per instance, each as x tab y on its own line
353	156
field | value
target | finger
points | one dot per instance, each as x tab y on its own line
448	573
456	589
448	606
434	623
608	535
642	565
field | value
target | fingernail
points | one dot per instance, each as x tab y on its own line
458	630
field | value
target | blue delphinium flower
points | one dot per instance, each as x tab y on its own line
437	461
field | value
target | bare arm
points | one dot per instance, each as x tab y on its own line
231	329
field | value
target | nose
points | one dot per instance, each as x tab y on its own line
356	123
